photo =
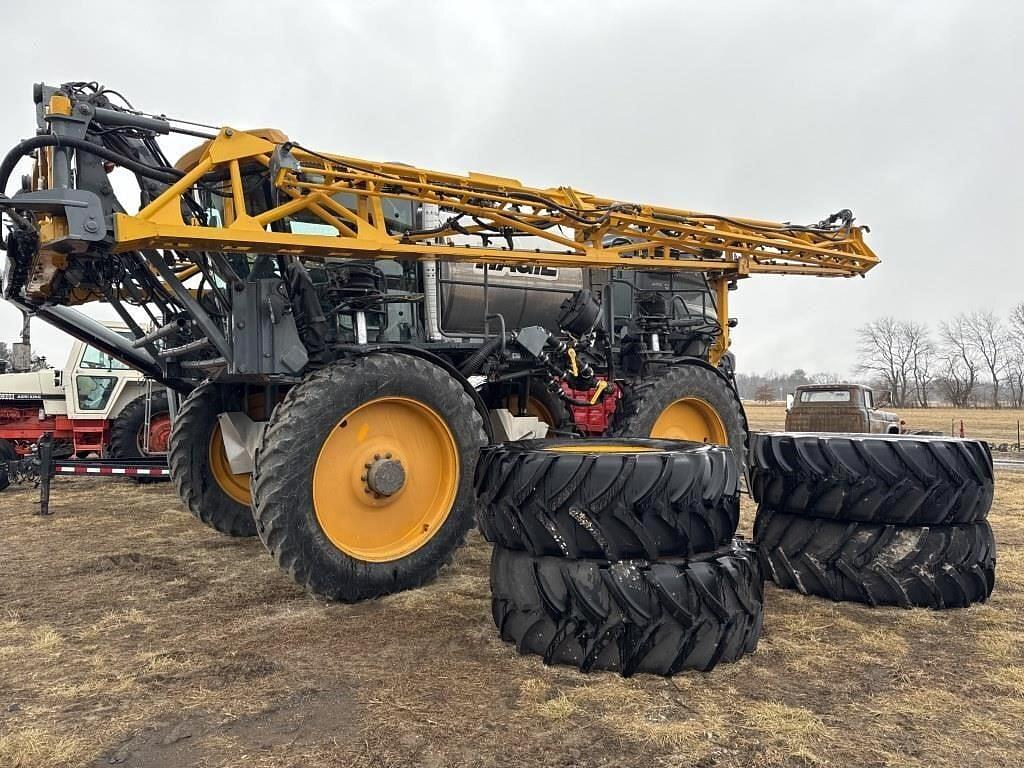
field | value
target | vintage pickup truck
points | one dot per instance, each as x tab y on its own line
838	408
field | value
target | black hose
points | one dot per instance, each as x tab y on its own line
168	176
476	360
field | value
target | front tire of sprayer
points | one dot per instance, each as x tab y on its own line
199	465
685	402
363	483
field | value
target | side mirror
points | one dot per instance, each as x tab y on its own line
789	402
884	398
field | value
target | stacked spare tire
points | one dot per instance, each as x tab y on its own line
877	519
619	554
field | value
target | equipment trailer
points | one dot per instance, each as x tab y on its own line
346	331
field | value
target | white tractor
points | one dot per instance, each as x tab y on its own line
95	407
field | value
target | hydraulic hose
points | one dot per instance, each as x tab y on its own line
476	360
49	140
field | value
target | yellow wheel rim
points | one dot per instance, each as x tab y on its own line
602	448
380	527
534	407
235	486
691	418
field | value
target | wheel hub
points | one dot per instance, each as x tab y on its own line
384	476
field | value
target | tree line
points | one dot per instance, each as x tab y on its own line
972	359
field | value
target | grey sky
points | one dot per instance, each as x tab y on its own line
909	113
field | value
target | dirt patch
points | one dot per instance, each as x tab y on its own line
138	562
130	632
208	738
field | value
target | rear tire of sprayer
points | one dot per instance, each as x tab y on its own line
199	465
685	402
363	483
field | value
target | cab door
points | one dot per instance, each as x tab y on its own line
93	381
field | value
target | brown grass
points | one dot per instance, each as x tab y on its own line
130	633
995	425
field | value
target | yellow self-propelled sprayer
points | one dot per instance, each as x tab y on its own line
348	331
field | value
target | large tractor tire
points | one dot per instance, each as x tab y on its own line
7	453
939	566
629	616
363	482
127	434
612	498
685	402
199	466
897	479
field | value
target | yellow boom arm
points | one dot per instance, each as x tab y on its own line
579	229
576	228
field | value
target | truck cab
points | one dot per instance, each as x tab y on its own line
838	408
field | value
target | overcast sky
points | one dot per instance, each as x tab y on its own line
909	113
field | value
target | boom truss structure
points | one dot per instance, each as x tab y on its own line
604	232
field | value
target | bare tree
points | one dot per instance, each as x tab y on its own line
1014	369
765	393
921	356
987	336
1017	323
826	377
958	366
1014	377
901	355
884	354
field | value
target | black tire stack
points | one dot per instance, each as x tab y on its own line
619	554
877	519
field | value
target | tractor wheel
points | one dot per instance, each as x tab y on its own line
938	566
684	402
898	479
363	483
632	615
608	498
127	434
199	465
7	453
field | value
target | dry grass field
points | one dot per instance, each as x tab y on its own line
995	426
132	635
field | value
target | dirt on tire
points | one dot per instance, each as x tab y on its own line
941	566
